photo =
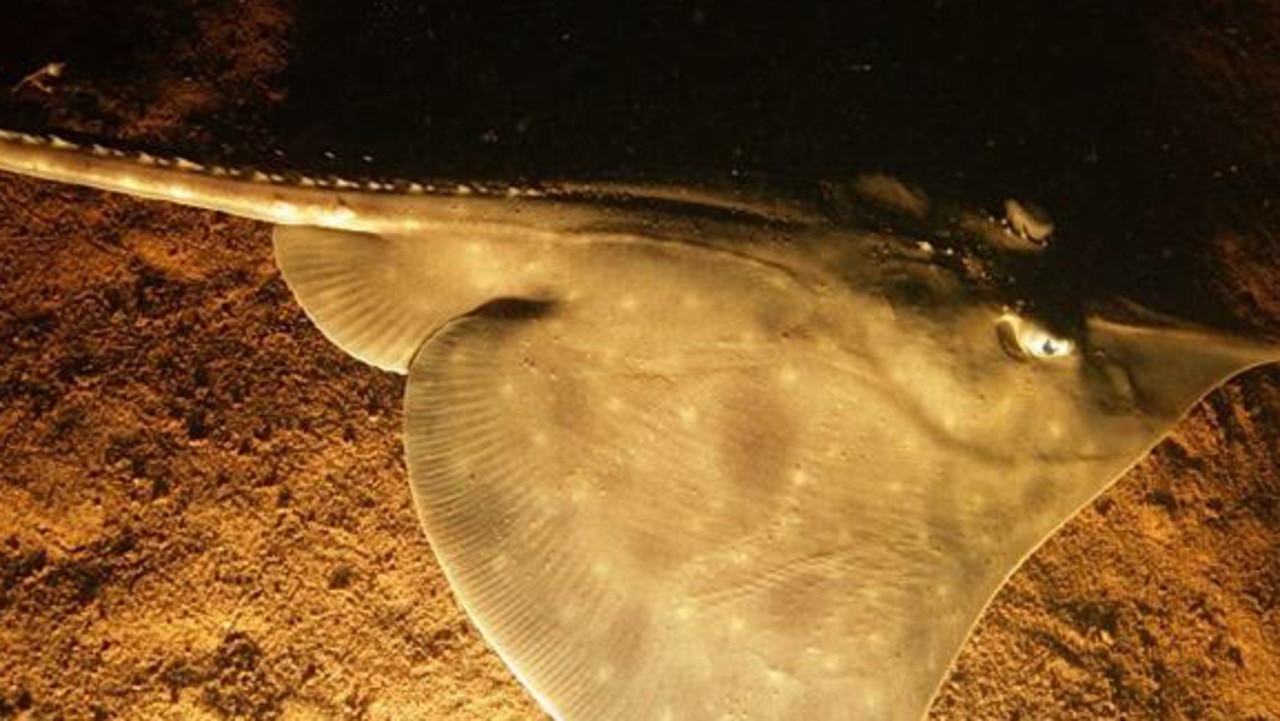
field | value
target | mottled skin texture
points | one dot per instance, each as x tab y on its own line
190	536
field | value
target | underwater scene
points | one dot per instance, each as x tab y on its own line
444	360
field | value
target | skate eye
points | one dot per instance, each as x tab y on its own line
1024	339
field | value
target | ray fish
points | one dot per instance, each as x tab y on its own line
693	454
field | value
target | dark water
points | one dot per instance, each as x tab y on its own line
998	94
1060	103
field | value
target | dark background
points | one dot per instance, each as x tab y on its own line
1001	92
1111	115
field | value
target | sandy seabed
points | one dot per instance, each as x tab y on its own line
205	513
